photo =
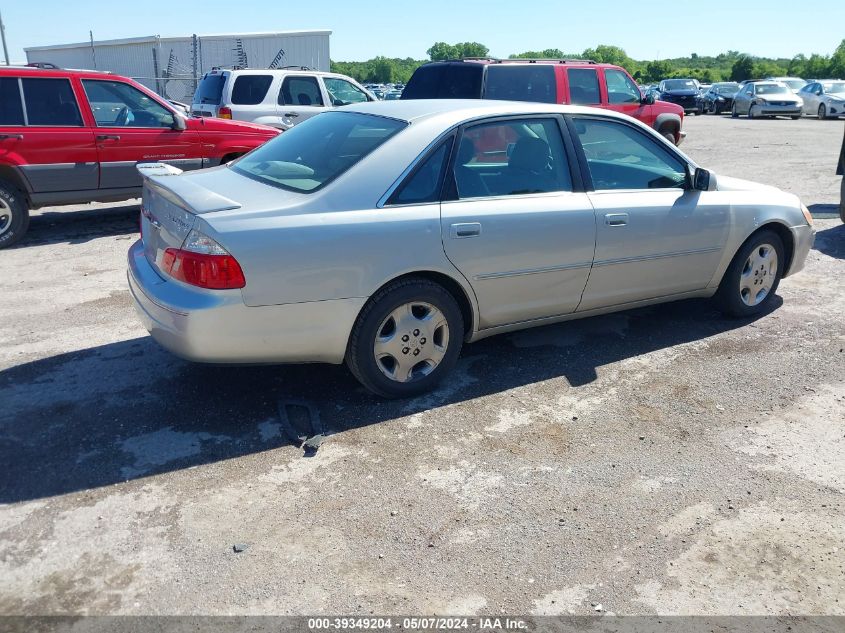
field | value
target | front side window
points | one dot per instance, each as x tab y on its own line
50	102
535	82
313	153
620	88
300	90
11	111
341	92
621	157
425	183
513	157
250	89
583	86
116	104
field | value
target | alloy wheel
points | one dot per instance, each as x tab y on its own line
411	341
758	274
5	216
822	112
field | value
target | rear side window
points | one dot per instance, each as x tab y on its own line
11	111
445	81
250	89
50	102
313	153
521	83
210	89
583	86
298	90
425	183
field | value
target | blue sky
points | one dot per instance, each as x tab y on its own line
363	28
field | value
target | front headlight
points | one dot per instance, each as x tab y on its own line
807	215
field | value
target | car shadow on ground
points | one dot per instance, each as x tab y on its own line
79	226
126	410
831	241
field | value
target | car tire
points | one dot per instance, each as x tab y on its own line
409	319
822	112
751	114
734	113
795	117
752	278
14	215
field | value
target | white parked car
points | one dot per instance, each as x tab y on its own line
825	98
280	98
795	83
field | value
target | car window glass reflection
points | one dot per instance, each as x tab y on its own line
511	158
620	157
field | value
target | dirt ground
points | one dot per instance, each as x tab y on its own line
662	460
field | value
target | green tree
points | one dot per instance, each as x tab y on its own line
382	70
656	70
442	50
837	62
743	68
549	53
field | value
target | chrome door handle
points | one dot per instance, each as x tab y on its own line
465	229
16	136
291	115
616	219
108	137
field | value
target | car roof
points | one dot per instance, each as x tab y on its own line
522	61
453	111
32	71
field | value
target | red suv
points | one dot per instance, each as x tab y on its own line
68	137
576	82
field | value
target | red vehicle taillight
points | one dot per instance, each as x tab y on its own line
202	262
224	112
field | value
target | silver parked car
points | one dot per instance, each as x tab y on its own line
766	99
389	234
825	98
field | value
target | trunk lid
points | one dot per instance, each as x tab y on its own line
170	205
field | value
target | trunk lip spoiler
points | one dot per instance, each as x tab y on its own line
183	191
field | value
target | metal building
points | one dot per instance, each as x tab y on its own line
172	65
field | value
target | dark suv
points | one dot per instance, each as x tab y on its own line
69	136
576	82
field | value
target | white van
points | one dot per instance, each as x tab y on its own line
277	97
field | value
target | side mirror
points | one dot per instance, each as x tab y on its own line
703	180
179	123
648	99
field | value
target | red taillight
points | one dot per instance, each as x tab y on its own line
217	272
224	113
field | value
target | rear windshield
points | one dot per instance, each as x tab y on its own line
794	84
251	89
445	81
210	89
727	89
521	83
318	150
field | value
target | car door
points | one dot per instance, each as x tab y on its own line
654	235
811	97
623	95
516	223
300	97
44	134
743	99
133	127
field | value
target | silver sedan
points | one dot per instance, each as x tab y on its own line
387	235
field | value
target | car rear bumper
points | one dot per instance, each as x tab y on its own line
215	326
803	237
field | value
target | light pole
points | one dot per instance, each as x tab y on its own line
3	36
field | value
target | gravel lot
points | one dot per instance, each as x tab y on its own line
662	460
